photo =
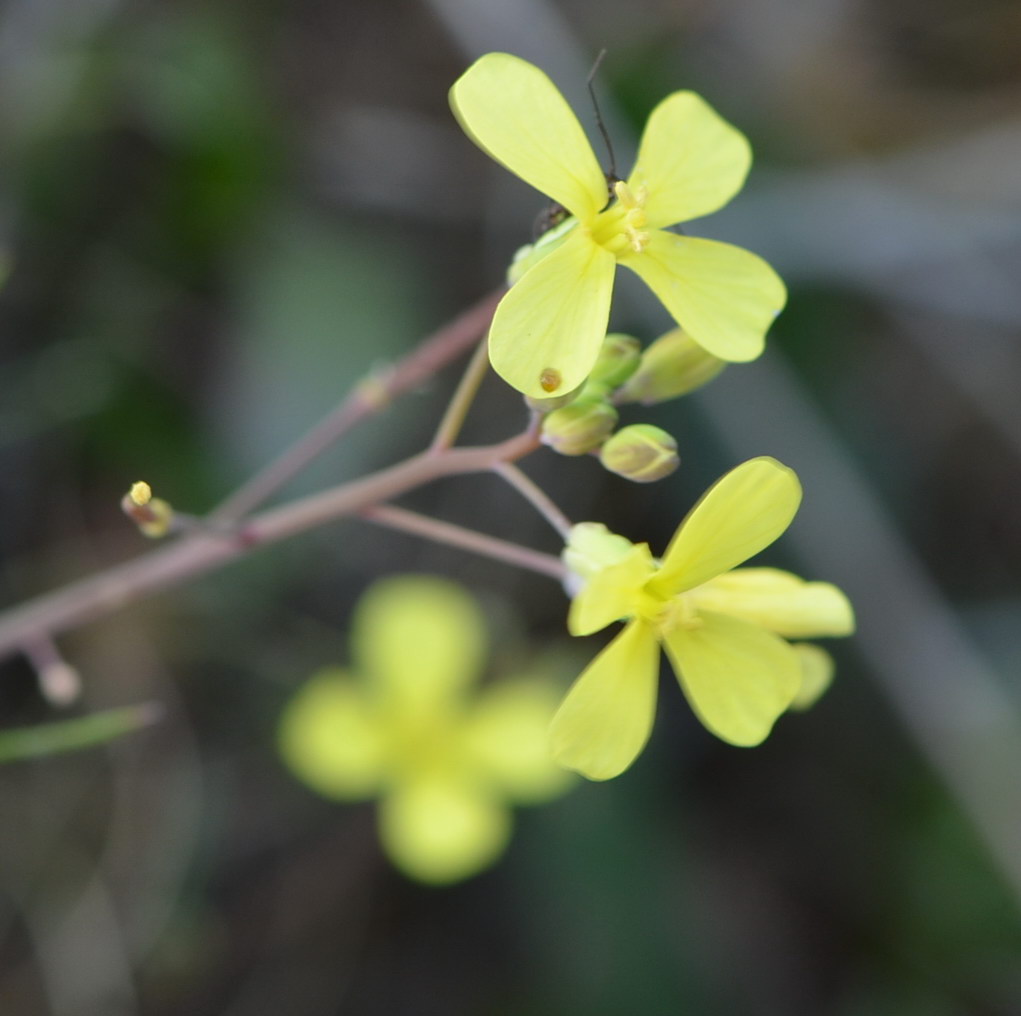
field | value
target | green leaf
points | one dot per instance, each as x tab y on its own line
72	735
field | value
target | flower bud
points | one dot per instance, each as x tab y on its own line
618	359
673	365
580	427
153	516
641	452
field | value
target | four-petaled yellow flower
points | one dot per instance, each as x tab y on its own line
403	727
724	631
547	330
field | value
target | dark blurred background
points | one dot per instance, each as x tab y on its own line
216	217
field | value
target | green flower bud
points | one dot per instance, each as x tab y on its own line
580	427
532	253
673	365
619	357
641	452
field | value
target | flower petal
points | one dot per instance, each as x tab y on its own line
606	718
724	297
547	331
516	115
439	828
739	515
737	678
816	675
611	594
507	736
420	640
331	740
690	160
778	601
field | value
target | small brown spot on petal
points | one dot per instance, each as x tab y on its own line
550	380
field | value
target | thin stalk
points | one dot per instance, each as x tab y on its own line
204	550
59	682
467	389
467	539
368	397
535	495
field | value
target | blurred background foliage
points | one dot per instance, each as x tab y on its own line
216	217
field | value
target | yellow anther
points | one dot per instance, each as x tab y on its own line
619	228
629	198
638	240
140	493
153	516
635	217
674	614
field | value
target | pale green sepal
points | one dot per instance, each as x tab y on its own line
619	357
580	427
737	678
532	253
606	718
611	594
739	515
591	547
672	366
641	453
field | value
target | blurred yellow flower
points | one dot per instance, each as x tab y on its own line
403	726
548	329
724	631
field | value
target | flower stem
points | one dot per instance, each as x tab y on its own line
205	549
454	417
532	492
367	398
467	539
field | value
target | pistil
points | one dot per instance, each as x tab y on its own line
619	229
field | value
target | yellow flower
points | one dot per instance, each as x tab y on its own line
403	727
547	330
724	631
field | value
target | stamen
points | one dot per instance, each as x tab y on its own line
619	229
677	612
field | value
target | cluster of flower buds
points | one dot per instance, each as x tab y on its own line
585	421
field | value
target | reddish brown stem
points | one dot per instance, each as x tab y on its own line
206	549
371	395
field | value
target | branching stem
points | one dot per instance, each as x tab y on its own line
374	393
454	417
535	495
467	539
204	550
